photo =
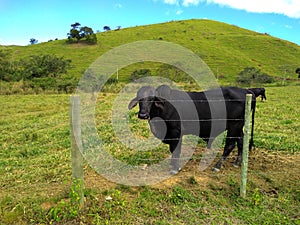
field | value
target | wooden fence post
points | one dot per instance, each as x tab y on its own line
76	145
247	133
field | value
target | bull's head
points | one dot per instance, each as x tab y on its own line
147	96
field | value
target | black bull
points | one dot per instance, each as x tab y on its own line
173	113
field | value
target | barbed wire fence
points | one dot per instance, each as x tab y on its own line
59	122
76	145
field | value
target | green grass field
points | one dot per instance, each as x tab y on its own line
35	171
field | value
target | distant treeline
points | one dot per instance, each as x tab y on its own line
48	74
35	74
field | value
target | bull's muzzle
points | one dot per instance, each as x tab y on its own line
143	116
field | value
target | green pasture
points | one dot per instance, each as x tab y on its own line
35	170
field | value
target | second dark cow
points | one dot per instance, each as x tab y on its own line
173	113
259	92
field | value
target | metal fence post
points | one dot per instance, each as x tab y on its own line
76	145
247	133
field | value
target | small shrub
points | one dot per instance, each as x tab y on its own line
173	73
264	78
91	39
252	75
139	74
112	81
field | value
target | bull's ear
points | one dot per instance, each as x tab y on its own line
133	103
163	93
159	103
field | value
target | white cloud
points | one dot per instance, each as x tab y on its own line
118	5
179	12
190	2
171	2
290	8
288	26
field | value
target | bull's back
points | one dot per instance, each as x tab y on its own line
225	102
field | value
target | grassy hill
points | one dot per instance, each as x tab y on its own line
227	49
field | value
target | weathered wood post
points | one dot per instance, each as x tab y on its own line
247	133
76	145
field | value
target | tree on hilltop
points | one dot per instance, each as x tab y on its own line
75	25
88	34
106	28
33	41
74	33
78	33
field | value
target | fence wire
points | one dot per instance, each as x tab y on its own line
56	123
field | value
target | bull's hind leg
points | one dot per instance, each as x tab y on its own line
238	161
229	146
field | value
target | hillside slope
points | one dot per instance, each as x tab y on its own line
227	49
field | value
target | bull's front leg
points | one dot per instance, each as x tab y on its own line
175	149
229	146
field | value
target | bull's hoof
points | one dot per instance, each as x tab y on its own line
215	169
236	165
174	171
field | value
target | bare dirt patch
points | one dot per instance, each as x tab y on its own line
267	171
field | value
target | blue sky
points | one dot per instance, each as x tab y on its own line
44	20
